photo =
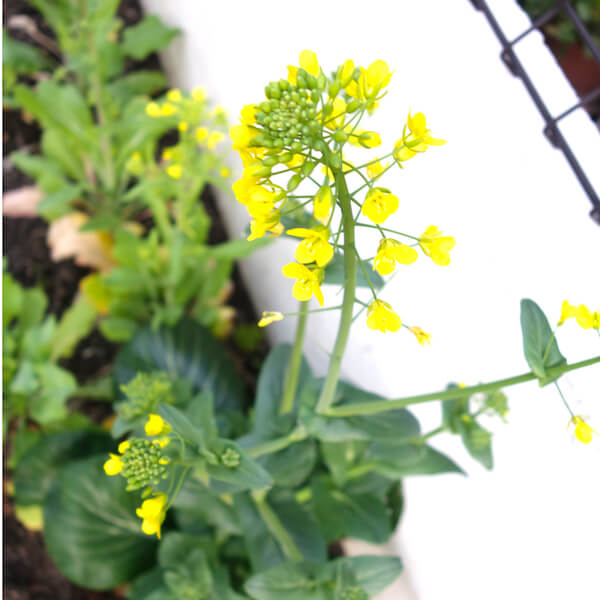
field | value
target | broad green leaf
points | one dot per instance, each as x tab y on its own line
75	324
335	275
37	467
292	465
33	308
340	456
22	440
478	442
118	329
374	573
148	36
23	58
149	586
91	529
340	514
55	148
185	351
138	83
398	461
269	389
539	343
176	546
12	299
182	426
56	386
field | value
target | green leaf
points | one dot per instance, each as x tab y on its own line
118	329
34	303
478	442
91	529
335	275
340	456
12	299
185	351
375	573
75	324
36	469
291	466
453	409
47	173
237	249
340	514
138	83
56	386
539	343
149	586
396	462
182	426
21	57
247	475
55	148
148	36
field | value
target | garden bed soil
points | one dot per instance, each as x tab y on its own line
29	573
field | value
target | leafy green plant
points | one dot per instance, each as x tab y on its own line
36	388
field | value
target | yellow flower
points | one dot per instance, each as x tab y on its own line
381	317
174	171
155	425
248	114
336	119
214	138
201	134
307	282
225	172
418	140
567	311
314	247
168	109
366	139
265	224
322	203
376	168
586	319
269	317
153	109
377	76
124	446
199	94
161	443
183	126
345	72
389	253
437	246
308	62
422	337
114	465
167	154
583	431
174	95
379	205
152	512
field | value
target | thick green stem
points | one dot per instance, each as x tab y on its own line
369	408
293	368
275	526
328	392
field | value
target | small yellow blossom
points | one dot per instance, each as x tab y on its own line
214	138
201	134
262	225
422	337
377	76
114	465
174	95
418	140
314	247
183	126
174	171
124	446
437	246
225	172
586	319
379	205
567	311
583	431
162	442
307	282
167	154
367	139
155	425
168	109
381	317
322	203
153	109
336	119
152	512
248	114
345	73
269	317
376	168
199	94
391	252
308	62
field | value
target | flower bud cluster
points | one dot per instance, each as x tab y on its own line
144	463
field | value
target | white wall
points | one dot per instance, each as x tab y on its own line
530	528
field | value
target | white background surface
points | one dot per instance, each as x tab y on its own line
531	527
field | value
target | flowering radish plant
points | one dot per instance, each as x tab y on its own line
251	503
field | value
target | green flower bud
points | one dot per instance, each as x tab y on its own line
308	167
340	136
270	161
265	107
294	182
230	458
284	84
334	89
352	106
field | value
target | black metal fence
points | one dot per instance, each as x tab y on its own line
551	129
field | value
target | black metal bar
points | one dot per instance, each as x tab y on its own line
551	129
587	99
539	22
585	34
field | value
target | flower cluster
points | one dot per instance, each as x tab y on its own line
586	319
197	126
142	462
306	120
